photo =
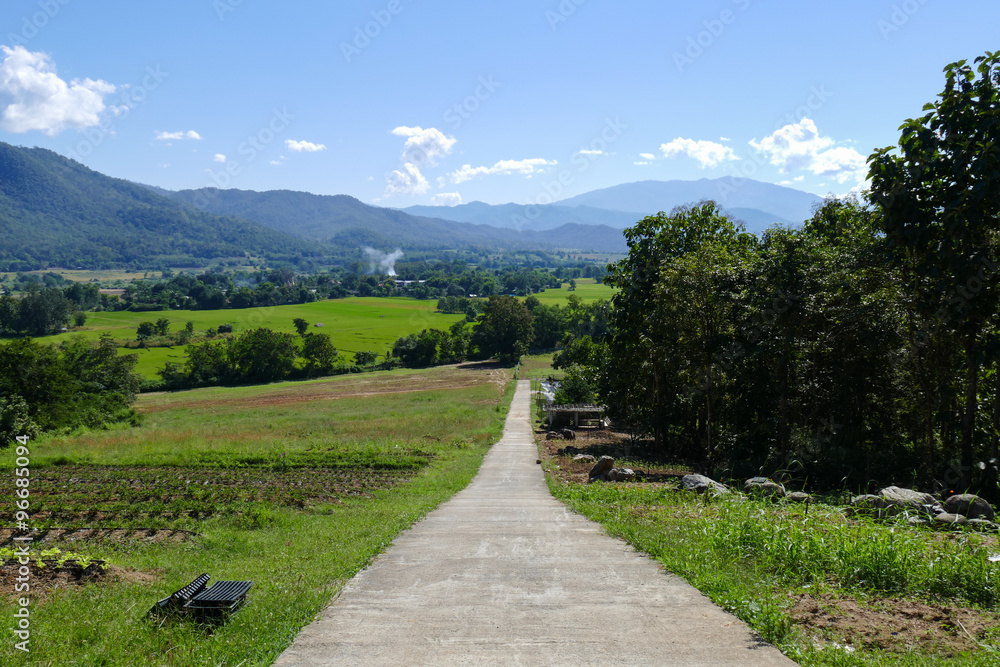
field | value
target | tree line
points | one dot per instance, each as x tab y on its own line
46	306
863	346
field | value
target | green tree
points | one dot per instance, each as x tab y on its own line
454	347
548	325
575	387
9	314
162	326
646	383
43	311
76	384
940	199
365	358
504	330
79	319
206	364
319	353
15	420
145	330
301	326
261	355
419	350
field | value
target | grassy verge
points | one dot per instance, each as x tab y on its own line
799	574
261	460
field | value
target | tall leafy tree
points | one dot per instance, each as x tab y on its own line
939	191
261	355
644	381
504	330
43	310
318	353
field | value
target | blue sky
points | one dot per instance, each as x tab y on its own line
401	102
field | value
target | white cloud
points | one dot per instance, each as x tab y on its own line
527	167
640	164
648	157
304	146
409	181
799	147
280	161
33	96
219	157
706	153
177	136
424	147
447	199
589	152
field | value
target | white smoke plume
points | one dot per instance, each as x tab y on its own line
383	262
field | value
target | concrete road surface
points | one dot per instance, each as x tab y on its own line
503	574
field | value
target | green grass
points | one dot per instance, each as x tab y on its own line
538	367
586	288
435	424
354	324
751	556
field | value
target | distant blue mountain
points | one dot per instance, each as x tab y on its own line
785	205
758	205
517	216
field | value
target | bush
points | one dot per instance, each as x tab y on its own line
575	387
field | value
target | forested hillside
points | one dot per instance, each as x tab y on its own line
344	221
56	212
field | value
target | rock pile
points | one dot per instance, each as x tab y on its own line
963	509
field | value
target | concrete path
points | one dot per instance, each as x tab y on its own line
503	574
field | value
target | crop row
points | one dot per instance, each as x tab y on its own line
165	497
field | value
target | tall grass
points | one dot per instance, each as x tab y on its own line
747	554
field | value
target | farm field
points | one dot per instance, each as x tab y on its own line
586	288
354	324
295	486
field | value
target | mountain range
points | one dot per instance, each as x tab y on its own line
759	205
57	212
343	221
